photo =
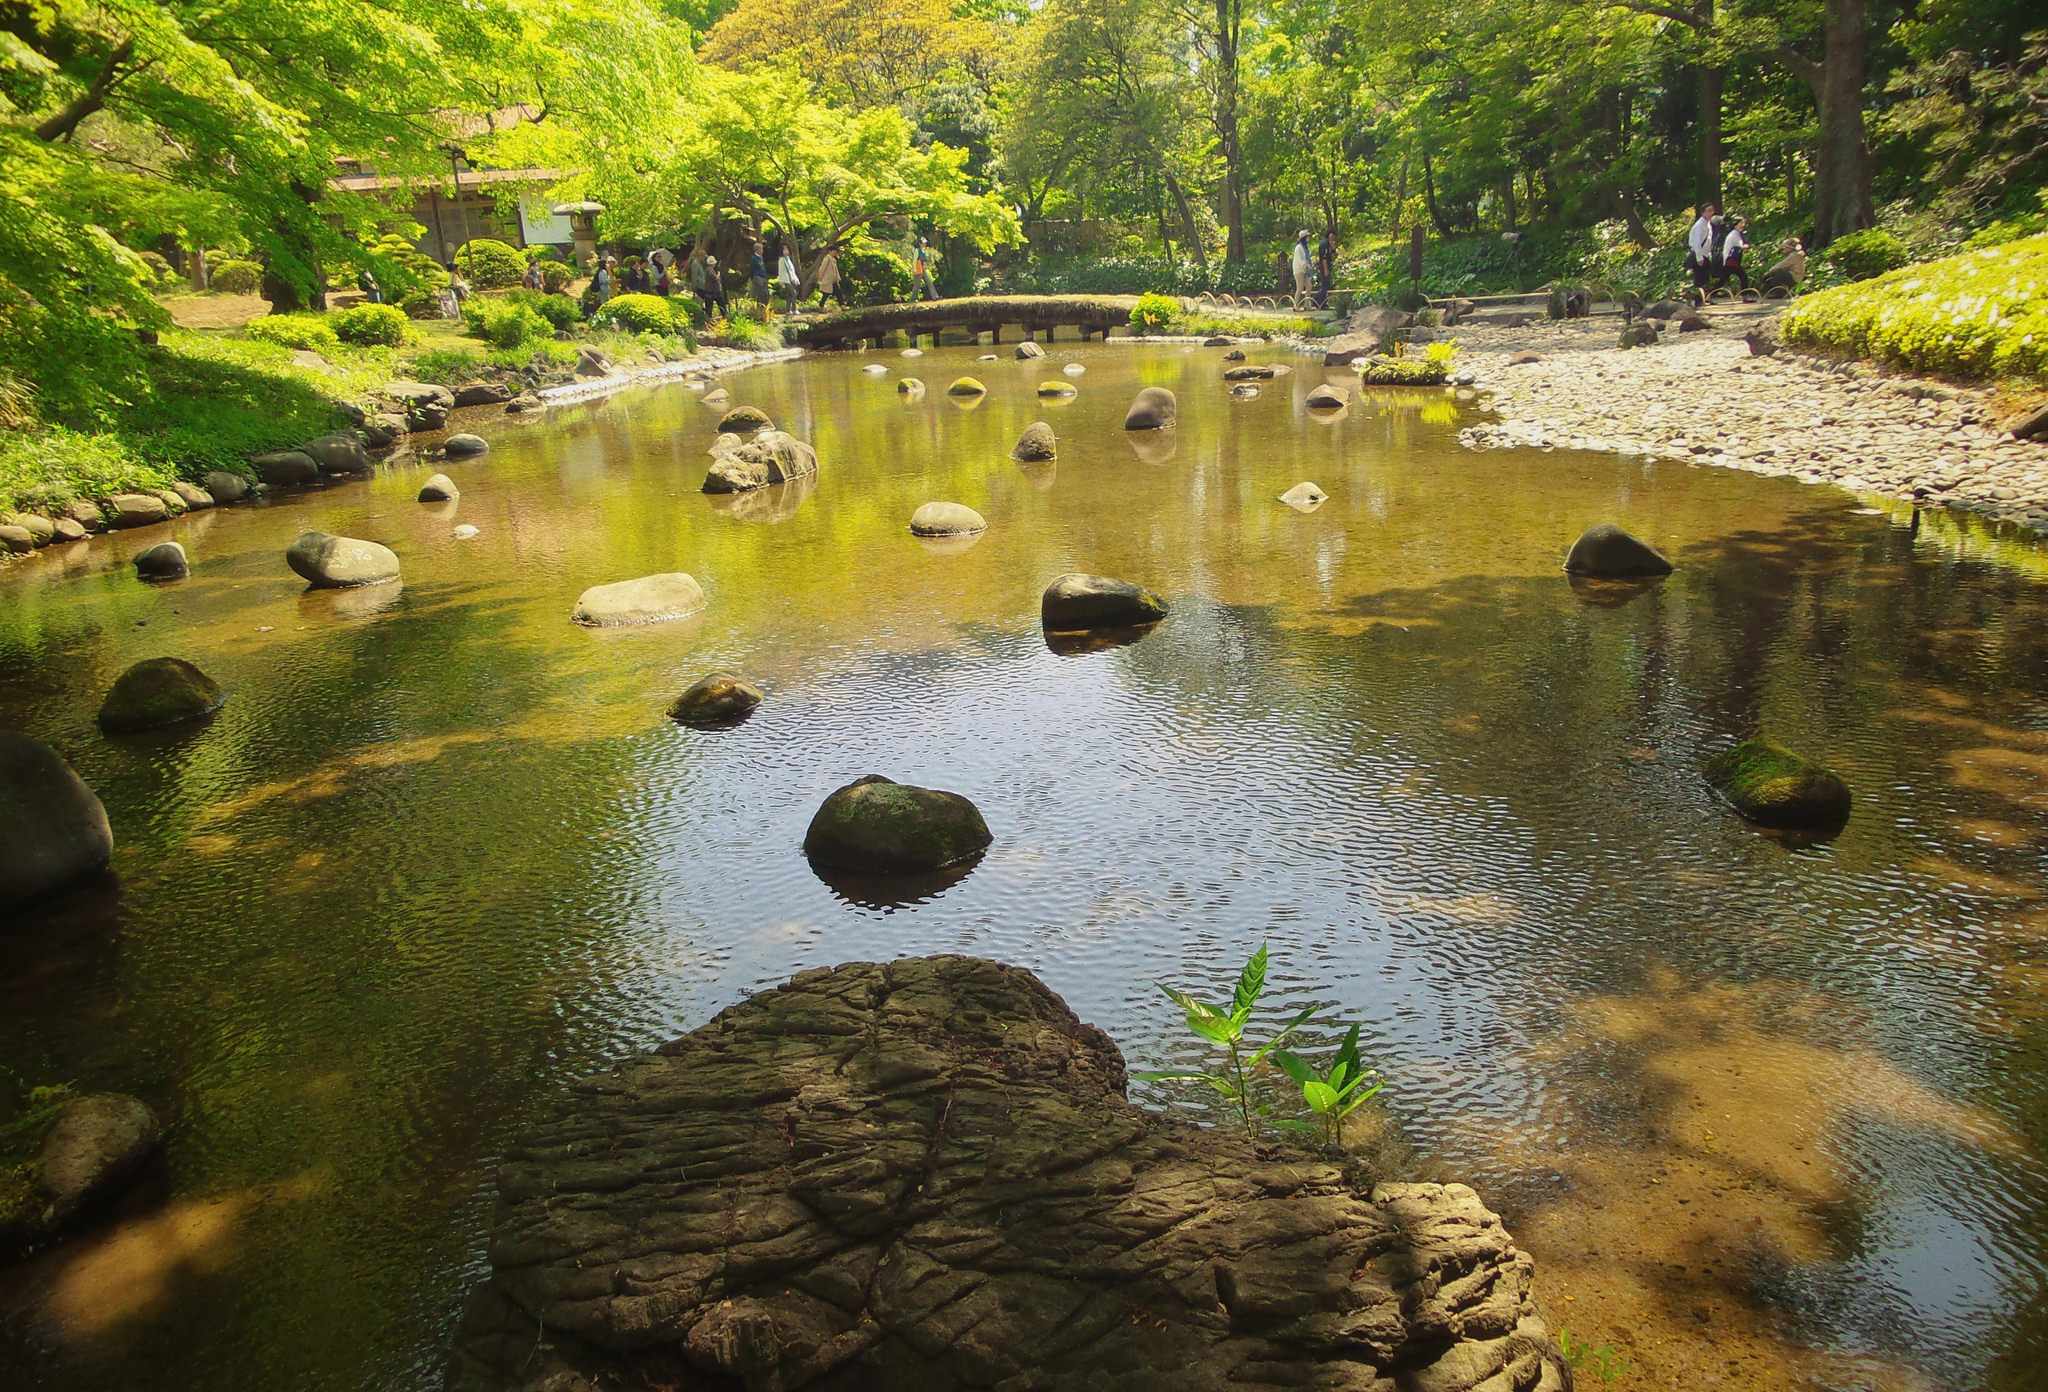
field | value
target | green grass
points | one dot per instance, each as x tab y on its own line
1982	314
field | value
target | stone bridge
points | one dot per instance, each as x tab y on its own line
1033	315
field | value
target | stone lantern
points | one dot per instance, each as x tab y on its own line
582	230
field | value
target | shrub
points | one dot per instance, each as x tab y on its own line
402	270
450	367
421	304
1871	252
504	323
1402	372
1982	313
1152	313
309	331
381	325
872	274
235	277
638	313
559	310
160	268
491	265
556	276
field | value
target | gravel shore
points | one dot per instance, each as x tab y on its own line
1705	397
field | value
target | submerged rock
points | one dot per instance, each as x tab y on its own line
877	826
876	370
463	532
1028	349
744	421
54	830
1074	369
719	699
90	1155
1774	787
650	599
1154	408
1244	391
1250	372
337	562
966	386
770	457
439	489
155	692
926	1175
1036	445
1606	552
458	446
1078	601
163	561
947	519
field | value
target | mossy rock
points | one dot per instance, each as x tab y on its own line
52	827
966	386
715	701
744	420
1774	787
877	826
1076	602
1606	552
158	691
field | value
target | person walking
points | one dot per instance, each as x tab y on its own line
1732	247
1699	248
1302	263
757	272
366	281
695	269
921	261
603	280
828	279
786	276
714	288
1326	268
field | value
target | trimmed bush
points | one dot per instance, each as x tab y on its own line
1983	313
160	269
235	277
1871	252
379	325
559	310
307	331
490	265
421	304
639	313
504	323
1152	313
556	276
873	275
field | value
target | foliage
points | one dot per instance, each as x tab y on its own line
403	271
160	268
1400	372
1871	252
1602	1362
21	1143
1135	274
555	276
870	273
421	304
560	311
1982	313
1152	313
379	324
1201	323
639	313
743	331
503	323
491	265
305	331
234	277
44	469
862	53
1441	354
1224	1026
1335	1091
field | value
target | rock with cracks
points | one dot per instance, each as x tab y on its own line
769	457
926	1175
53	827
1606	552
1074	603
876	826
155	692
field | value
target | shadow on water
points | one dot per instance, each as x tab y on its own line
888	893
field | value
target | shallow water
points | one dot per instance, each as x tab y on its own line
1769	1115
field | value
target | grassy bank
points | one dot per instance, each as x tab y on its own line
1981	315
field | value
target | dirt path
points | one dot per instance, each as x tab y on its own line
1704	396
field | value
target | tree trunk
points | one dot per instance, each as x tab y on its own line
1400	200
1429	196
1507	190
1841	185
1711	80
1229	17
1192	234
286	295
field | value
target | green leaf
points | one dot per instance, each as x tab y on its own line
1195	1009
1214	1030
1296	1023
1169	1075
1294	1066
1359	1101
1320	1096
1251	983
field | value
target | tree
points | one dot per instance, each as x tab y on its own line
861	53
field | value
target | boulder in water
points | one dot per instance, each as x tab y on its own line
1074	369
136	510
458	446
911	353
926	1174
1249	372
744	421
1154	408
54	830
483	394
1325	397
439	489
947	519
155	692
163	561
875	826
337	562
909	386
1304	497
1244	391
1036	445
1606	552
226	487
1234	355
285	467
1774	787
875	370
338	454
650	599
770	457
966	386
1075	602
92	1153
1028	349
464	532
1048	390
714	701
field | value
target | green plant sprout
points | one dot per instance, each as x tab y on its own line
1333	1095
1602	1362
1225	1028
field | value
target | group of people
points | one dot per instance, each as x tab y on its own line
1714	249
656	275
1315	272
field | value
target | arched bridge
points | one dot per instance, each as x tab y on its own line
1034	316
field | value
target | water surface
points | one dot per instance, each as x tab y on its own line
1768	1113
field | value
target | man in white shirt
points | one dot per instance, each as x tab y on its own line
1304	262
1699	247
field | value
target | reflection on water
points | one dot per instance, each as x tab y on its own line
1767	1113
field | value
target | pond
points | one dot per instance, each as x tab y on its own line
1767	1113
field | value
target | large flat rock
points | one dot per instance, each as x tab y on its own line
925	1175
